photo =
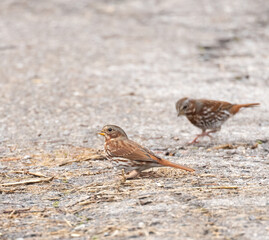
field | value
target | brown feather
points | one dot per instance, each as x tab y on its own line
236	107
133	151
170	164
215	106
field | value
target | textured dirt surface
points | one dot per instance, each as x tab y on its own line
69	67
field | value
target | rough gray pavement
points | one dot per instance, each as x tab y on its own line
69	67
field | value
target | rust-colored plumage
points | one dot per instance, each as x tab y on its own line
208	114
129	155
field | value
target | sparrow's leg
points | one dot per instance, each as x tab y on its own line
132	174
194	140
203	134
123	175
212	131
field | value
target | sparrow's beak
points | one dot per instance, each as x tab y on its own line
180	113
101	133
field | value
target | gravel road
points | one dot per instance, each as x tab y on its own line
69	67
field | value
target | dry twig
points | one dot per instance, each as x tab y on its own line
93	157
31	173
29	181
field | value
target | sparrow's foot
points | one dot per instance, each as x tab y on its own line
203	134
132	174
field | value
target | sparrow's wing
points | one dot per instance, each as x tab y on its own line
131	150
215	106
213	110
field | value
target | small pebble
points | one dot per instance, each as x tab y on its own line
141	225
66	133
81	226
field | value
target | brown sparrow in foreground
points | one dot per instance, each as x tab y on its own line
208	114
129	155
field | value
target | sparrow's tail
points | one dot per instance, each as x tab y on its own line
170	164
235	108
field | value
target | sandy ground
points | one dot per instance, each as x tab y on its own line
69	67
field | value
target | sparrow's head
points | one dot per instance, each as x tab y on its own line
112	131
182	106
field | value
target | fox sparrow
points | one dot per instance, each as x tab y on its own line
208	114
130	156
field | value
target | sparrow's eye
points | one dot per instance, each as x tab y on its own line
184	107
110	129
